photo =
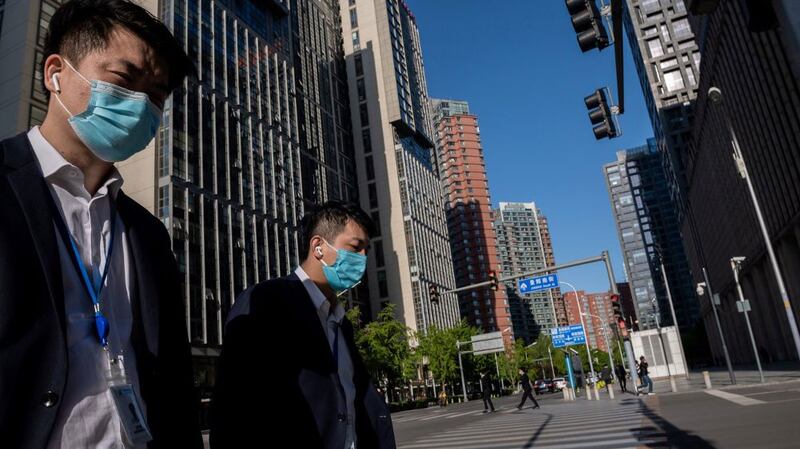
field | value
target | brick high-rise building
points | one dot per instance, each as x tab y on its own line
472	235
598	316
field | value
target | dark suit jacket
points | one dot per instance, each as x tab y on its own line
33	352
525	381
277	380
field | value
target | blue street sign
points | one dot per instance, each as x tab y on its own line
568	335
538	283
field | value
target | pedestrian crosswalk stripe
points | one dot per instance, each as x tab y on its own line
601	424
735	398
524	437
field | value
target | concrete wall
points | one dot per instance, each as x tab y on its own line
647	344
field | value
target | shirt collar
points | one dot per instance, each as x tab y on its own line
321	303
58	170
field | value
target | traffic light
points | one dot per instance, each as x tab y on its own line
493	280
433	293
616	307
587	22
600	115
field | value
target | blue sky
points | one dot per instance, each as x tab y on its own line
518	65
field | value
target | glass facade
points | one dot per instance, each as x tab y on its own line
648	227
257	136
632	240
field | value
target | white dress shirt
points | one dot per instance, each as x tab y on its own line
331	323
87	417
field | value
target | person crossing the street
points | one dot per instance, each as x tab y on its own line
525	382
487	386
644	375
622	374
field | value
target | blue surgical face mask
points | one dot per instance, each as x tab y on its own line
117	122
346	272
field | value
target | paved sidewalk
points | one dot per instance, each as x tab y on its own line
746	376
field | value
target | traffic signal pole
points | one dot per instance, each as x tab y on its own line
626	341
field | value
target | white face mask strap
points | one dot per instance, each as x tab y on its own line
58	92
58	98
76	71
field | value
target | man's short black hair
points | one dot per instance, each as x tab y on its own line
329	220
80	27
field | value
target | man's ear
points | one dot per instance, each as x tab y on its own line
316	247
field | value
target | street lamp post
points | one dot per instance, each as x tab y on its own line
715	94
549	356
461	367
585	340
736	266
610	355
701	287
672	311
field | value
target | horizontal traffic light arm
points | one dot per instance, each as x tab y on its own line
546	270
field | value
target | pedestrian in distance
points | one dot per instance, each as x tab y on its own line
307	381
605	374
622	375
488	388
525	383
94	349
644	375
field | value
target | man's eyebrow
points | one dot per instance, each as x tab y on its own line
134	70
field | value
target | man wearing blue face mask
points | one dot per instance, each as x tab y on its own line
93	345
318	393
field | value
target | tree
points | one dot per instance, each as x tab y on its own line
383	345
438	346
511	362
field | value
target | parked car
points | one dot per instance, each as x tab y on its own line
543	386
559	383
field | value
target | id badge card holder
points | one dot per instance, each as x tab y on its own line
127	403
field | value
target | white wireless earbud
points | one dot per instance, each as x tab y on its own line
319	251
56	84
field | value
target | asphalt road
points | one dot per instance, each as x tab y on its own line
737	417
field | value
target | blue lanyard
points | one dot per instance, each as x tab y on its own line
100	322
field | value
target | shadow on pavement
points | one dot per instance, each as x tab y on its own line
676	437
539	430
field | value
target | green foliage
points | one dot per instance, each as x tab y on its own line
384	346
438	346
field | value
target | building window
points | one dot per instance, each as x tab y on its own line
673	80
366	140
370	168
163	202
373	195
655	48
361	89
356	41
364	114
682	29
359	65
36	116
383	288
376	220
650	5
353	18
378	252
690	76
